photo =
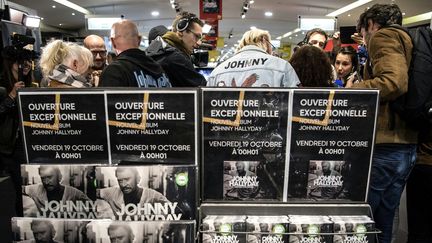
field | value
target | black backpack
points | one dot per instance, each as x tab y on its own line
415	106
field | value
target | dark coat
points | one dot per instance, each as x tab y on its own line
177	64
133	68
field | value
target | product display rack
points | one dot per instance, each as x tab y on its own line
292	121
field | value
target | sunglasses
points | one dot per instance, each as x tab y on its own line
197	36
314	42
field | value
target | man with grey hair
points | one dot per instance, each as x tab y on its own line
120	233
51	189
128	191
43	231
133	68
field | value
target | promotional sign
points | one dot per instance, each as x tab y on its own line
146	193
244	143
332	135
153	126
101	231
64	126
59	191
210	9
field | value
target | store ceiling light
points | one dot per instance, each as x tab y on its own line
73	6
31	21
101	22
417	18
155	13
348	7
268	14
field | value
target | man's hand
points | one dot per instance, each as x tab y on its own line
357	38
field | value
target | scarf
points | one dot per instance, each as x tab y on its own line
172	39
63	74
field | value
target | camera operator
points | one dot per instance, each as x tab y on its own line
11	149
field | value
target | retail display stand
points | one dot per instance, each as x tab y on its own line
109	163
265	152
276	152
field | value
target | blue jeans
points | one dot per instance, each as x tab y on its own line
391	166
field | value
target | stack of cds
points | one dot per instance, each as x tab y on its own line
223	228
310	229
292	228
353	229
267	229
101	231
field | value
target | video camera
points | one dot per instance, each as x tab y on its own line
16	51
19	41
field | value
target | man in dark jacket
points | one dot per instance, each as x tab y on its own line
174	48
133	68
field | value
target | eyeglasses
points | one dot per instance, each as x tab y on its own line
101	53
314	42
197	36
273	47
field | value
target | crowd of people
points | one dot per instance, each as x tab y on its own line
167	63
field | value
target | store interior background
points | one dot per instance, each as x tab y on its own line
63	22
66	23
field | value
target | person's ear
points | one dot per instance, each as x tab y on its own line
75	65
139	39
113	42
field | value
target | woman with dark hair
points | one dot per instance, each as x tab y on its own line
312	66
346	65
15	61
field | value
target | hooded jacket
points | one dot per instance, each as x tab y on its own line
176	63
133	68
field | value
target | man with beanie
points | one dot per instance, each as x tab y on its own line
173	51
156	31
133	68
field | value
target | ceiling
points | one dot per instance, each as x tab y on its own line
284	19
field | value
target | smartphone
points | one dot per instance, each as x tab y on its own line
345	34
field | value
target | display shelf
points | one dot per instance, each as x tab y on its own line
284	209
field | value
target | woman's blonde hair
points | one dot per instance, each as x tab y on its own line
60	52
255	37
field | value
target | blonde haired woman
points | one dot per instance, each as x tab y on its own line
254	66
66	64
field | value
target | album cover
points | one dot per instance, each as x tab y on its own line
137	193
267	229
353	229
241	181
58	191
223	228
305	229
326	179
101	231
